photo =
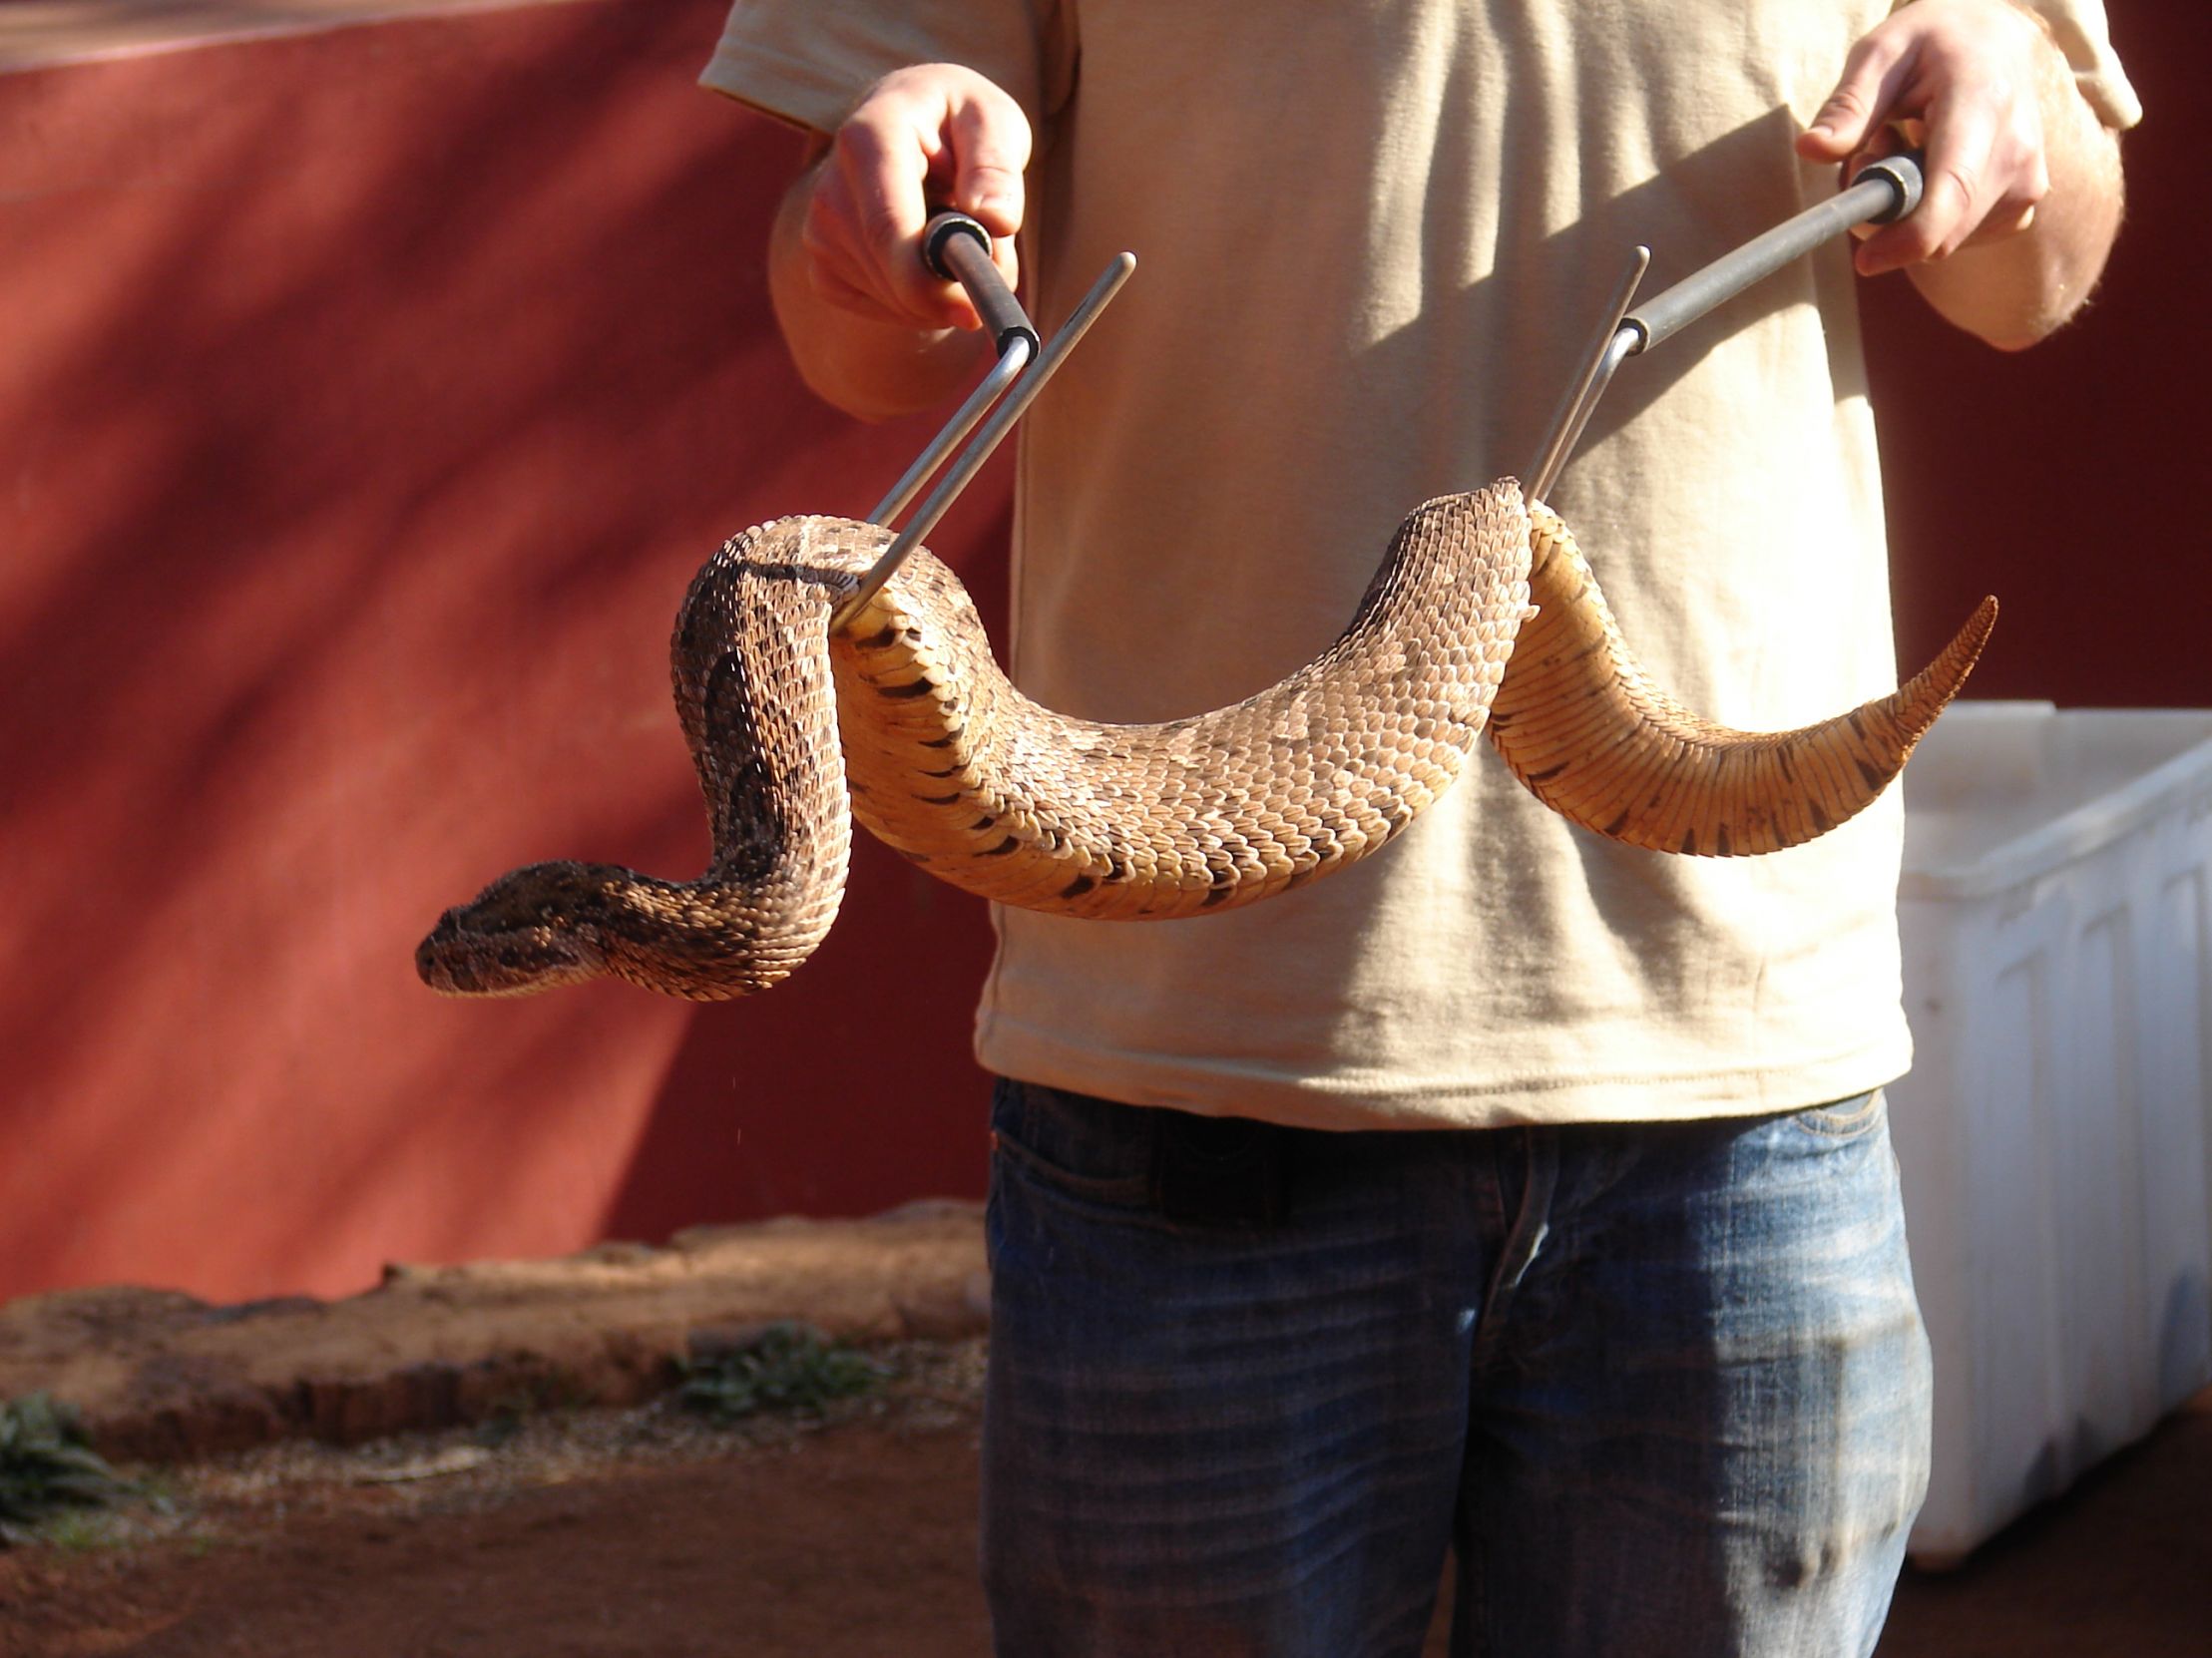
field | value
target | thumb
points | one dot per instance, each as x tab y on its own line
991	146
1857	106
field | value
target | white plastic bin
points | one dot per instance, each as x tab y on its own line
2057	909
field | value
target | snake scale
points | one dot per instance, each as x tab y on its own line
1482	612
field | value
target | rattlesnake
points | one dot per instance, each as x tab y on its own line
904	714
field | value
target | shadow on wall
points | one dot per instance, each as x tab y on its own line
369	400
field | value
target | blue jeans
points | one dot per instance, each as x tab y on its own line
1655	1388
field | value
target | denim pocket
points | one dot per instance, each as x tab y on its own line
1844	1119
1093	1150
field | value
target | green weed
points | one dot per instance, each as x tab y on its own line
47	1469
787	1367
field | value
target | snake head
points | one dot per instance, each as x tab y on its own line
520	934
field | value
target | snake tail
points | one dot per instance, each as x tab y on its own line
1585	729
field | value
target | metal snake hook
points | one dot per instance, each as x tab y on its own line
1599	362
957	248
1884	192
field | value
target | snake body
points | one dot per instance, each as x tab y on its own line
904	714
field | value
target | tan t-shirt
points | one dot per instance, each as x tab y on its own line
1374	237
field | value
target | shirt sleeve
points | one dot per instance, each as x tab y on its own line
807	62
2079	28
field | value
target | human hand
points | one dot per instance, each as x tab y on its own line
924	137
1968	80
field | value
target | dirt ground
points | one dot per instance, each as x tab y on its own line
485	1462
645	1532
596	1533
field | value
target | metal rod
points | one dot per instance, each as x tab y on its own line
1573	410
1618	350
1001	421
1885	191
1018	356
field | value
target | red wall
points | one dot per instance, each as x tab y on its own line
2069	480
367	401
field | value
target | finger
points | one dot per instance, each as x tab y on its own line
835	291
1002	255
884	170
2021	177
1956	191
1875	76
847	263
838	258
868	302
990	139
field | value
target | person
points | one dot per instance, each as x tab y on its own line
1514	1197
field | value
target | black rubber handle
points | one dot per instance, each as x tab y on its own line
957	248
1884	192
1903	171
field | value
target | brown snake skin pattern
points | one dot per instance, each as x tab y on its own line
905	716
